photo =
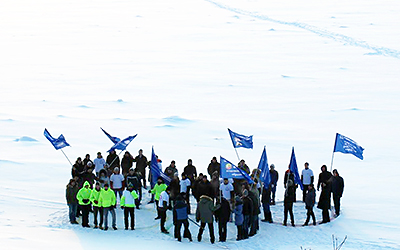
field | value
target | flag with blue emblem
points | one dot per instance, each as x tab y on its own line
241	141
265	176
121	145
229	170
156	171
112	138
346	145
58	143
293	168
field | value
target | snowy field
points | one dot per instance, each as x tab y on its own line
179	73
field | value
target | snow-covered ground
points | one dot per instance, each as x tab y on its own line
179	73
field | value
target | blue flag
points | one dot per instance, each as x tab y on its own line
294	170
57	143
156	171
241	141
228	170
122	144
265	176
113	139
346	145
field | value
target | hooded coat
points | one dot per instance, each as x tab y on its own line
205	209
238	212
107	198
84	194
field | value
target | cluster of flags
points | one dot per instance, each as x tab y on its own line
343	144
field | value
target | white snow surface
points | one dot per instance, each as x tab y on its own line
179	73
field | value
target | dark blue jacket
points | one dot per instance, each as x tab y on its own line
238	213
180	210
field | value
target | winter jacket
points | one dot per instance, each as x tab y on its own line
266	194
134	180
79	169
255	197
94	197
180	210
247	206
126	164
158	188
70	194
310	198
110	159
83	194
141	163
323	178
205	209
107	198
171	172
214	167
190	172
290	192
128	198
238	212
204	188
215	187
337	185
324	201
274	176
245	168
223	213
89	177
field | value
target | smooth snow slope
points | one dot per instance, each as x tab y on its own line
179	73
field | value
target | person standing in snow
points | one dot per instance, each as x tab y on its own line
157	190
141	165
310	201
78	168
134	178
163	206
266	200
128	205
72	202
83	197
108	201
117	181
204	213
112	160
307	178
337	190
289	199
274	181
97	209
88	175
154	182
214	166
103	178
171	170
247	212
191	172
185	184
239	219
215	182
222	216
126	163
99	163
237	183
180	217
289	174
87	160
324	202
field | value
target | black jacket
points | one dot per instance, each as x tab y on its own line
222	214
190	172
213	167
126	164
141	163
310	198
247	206
204	188
337	185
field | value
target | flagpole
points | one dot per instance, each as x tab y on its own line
333	154
66	157
237	154
334	147
120	153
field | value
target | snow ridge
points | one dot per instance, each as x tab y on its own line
346	40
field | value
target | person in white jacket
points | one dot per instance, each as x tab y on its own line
128	205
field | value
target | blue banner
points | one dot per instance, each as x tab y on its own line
112	138
293	168
265	176
228	170
122	144
58	143
156	171
346	145
241	141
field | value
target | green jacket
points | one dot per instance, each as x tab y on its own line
128	199
94	196
107	198
84	194
158	189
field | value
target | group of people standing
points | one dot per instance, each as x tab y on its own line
96	185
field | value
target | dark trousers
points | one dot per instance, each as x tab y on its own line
222	229
336	202
187	199
267	212
288	207
210	228
105	214
72	212
273	191
96	211
246	225
310	213
129	211
144	178
253	224
305	188
325	215
137	201
186	232
158	212
239	232
85	215
163	215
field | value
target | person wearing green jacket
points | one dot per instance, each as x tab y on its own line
128	205
108	201
158	188
83	197
97	209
